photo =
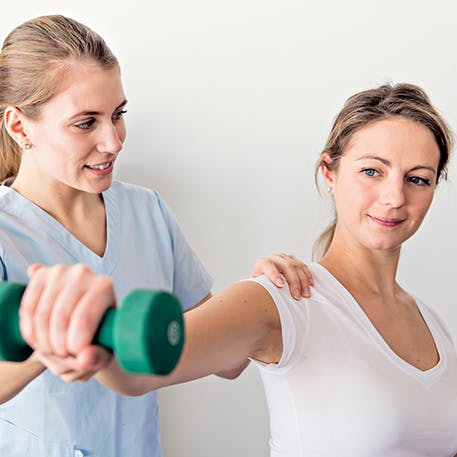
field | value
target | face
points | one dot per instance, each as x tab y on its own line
80	131
385	183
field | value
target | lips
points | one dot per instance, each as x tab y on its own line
100	169
386	222
101	166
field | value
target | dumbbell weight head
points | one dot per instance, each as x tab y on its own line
12	345
149	332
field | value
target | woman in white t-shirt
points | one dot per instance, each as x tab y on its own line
362	368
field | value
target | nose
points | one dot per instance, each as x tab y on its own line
111	138
393	193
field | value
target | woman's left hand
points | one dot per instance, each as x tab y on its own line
297	274
81	367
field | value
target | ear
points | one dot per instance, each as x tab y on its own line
15	122
326	169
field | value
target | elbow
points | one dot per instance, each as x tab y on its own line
229	375
234	372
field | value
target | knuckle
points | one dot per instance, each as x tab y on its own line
103	283
79	270
55	271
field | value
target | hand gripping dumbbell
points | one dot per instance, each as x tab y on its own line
146	332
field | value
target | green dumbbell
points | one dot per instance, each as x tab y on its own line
146	333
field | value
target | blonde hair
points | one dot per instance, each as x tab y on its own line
33	61
405	100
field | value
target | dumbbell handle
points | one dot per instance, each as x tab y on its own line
146	333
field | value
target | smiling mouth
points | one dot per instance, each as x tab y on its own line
386	222
102	166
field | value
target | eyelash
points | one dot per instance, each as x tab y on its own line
86	125
416	180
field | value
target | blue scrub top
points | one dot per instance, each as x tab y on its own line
145	249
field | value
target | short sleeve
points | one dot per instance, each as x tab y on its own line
191	281
293	315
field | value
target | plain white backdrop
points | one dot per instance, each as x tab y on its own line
230	104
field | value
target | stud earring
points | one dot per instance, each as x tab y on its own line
329	189
27	146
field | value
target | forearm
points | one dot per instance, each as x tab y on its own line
221	335
116	379
14	376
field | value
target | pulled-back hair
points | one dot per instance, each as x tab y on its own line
33	61
404	100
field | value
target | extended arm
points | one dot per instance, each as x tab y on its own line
240	322
63	305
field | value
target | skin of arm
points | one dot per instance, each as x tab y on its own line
222	333
14	376
234	372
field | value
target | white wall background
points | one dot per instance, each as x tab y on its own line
230	103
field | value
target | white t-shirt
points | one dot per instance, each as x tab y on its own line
340	390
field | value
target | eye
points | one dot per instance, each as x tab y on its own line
85	125
118	114
370	172
419	181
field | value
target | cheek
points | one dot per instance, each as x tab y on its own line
423	205
352	196
121	130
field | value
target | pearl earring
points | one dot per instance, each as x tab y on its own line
27	146
329	189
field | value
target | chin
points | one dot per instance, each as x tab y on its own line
100	187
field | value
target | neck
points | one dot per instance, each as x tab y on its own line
363	271
67	205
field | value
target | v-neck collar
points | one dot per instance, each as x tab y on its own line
427	376
36	217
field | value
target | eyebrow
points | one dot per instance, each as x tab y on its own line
388	164
96	113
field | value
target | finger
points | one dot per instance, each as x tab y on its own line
293	279
92	359
54	281
303	272
286	265
257	267
76	376
308	273
271	271
304	283
269	268
77	279
29	302
88	362
80	368
88	313
33	268
57	365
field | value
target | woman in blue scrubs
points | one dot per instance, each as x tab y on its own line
62	127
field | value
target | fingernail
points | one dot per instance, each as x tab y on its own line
279	282
297	294
306	293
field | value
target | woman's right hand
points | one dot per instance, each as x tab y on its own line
60	311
